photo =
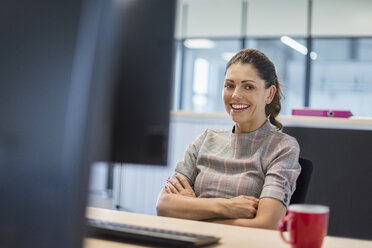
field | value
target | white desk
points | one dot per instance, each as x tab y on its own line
231	236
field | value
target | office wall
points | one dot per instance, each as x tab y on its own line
341	47
212	18
267	18
276	18
342	18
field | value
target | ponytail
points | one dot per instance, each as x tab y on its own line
272	110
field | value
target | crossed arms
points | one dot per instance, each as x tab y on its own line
178	200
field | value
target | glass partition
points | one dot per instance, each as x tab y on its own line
341	75
290	64
203	72
340	72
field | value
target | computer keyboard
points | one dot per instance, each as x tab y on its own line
108	230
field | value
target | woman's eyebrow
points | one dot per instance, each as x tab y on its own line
248	81
243	81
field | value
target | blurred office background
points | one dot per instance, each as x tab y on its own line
333	73
322	50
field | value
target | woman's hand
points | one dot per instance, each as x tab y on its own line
241	207
179	186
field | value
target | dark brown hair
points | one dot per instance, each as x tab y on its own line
266	70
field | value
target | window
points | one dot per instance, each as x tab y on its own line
290	66
341	75
203	72
200	84
204	67
340	72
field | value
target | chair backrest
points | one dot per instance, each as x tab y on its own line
303	181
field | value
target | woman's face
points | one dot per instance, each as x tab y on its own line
245	97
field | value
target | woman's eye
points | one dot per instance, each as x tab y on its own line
249	87
228	86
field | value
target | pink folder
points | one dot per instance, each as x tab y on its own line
321	112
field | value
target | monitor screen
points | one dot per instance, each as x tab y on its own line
80	81
143	37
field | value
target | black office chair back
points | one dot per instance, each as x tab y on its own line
303	181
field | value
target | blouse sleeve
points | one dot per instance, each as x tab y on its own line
282	171
187	166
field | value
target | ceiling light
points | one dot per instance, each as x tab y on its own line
199	43
313	55
294	44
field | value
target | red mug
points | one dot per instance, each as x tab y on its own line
306	224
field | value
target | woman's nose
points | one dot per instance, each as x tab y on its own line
237	94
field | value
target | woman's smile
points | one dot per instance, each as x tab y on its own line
239	107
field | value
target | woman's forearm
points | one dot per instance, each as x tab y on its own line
178	199
270	212
178	206
254	222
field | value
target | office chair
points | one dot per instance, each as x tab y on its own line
303	181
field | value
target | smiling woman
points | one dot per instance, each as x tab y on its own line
255	74
245	176
245	96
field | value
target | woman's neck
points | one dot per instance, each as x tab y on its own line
247	128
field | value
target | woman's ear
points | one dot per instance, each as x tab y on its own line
270	93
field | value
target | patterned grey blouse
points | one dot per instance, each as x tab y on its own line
262	163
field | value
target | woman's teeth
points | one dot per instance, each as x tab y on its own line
239	106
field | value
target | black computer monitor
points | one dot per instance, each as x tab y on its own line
143	37
80	81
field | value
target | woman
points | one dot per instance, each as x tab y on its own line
245	176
